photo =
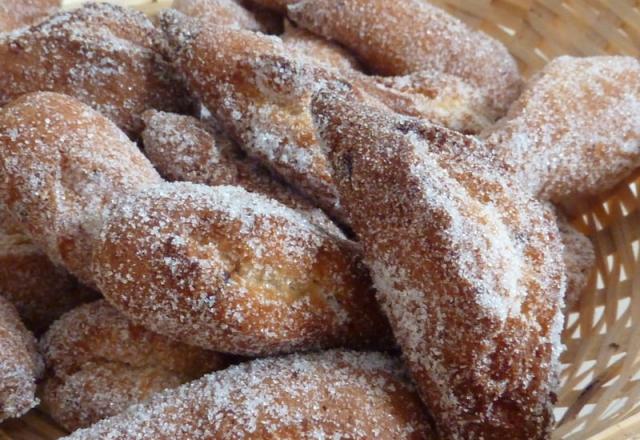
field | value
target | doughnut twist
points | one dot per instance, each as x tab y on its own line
15	14
468	268
106	56
579	257
20	364
575	130
406	36
216	267
99	364
335	394
259	89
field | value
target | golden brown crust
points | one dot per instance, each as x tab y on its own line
183	148
575	130
63	163
233	271
99	363
106	56
15	14
20	364
229	13
468	269
406	36
335	394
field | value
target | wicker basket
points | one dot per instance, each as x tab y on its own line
600	393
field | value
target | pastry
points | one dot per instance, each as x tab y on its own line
108	57
20	364
575	130
468	268
99	363
406	36
17	13
335	394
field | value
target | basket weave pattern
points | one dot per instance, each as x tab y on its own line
599	397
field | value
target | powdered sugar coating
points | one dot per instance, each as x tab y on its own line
229	13
468	269
106	56
186	149
576	128
233	271
15	14
62	162
331	395
99	363
405	36
20	364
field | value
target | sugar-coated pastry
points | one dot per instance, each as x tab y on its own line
405	36
230	13
99	364
233	271
468	268
579	259
183	148
335	394
575	130
18	13
259	91
62	163
317	48
106	56
20	364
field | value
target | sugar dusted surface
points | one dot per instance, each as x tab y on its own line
226	13
335	394
109	57
15	14
467	269
259	90
63	163
405	36
579	259
234	271
20	364
183	148
575	130
99	363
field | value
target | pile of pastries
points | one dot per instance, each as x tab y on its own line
292	219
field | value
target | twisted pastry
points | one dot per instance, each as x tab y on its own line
216	267
259	90
336	394
406	36
468	269
15	14
575	130
62	163
240	14
183	148
233	271
20	364
106	56
99	364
